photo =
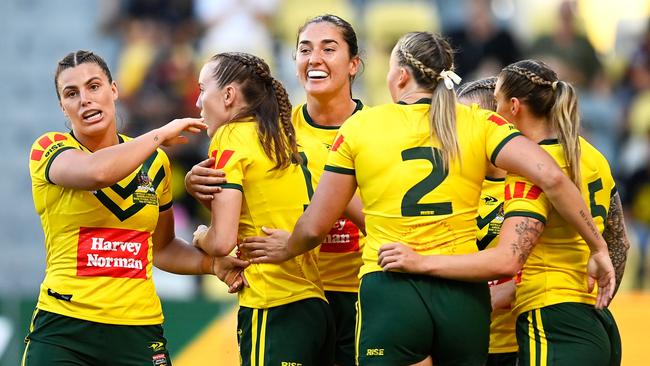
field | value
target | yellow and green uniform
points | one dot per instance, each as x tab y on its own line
409	197
272	198
340	253
99	249
489	220
557	323
555	270
406	195
283	316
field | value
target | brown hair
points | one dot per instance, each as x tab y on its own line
77	58
267	101
481	92
537	85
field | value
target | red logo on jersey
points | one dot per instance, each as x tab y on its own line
44	143
532	194
105	252
342	238
337	143
497	119
223	160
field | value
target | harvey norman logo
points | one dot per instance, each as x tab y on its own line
112	252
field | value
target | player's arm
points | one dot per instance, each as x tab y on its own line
354	213
77	169
221	237
516	240
502	295
616	237
175	255
202	181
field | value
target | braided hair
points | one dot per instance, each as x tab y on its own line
537	85
480	91
267	101
426	55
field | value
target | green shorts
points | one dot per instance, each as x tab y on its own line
568	334
502	359
404	318
56	339
300	333
343	305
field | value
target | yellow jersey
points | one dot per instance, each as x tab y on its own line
555	271
99	249
273	198
339	256
503	338
407	195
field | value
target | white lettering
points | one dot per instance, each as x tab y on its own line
336	238
101	244
95	260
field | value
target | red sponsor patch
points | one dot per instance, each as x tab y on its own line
223	160
338	142
105	252
342	238
45	142
497	119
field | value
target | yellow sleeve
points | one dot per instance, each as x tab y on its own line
227	149
498	133
44	150
341	155
523	198
164	190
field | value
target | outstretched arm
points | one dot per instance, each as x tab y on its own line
332	196
616	237
516	240
77	169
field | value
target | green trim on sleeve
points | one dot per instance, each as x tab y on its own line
49	162
503	143
613	192
231	186
335	169
532	215
165	207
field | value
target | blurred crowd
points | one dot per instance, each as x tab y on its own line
164	41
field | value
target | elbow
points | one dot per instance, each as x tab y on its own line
552	180
99	177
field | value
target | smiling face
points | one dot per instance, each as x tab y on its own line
212	100
323	61
87	98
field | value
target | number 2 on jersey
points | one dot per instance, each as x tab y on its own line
411	205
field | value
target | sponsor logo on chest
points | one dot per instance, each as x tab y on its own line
106	252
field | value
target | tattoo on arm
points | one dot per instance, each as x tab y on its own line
589	221
155	138
616	237
527	233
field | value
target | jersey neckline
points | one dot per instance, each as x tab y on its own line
311	122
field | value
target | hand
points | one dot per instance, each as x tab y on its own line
267	249
201	181
171	132
601	270
399	257
230	270
198	235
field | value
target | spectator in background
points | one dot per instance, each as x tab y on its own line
575	57
637	199
483	48
236	25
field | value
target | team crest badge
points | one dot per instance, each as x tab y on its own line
145	193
